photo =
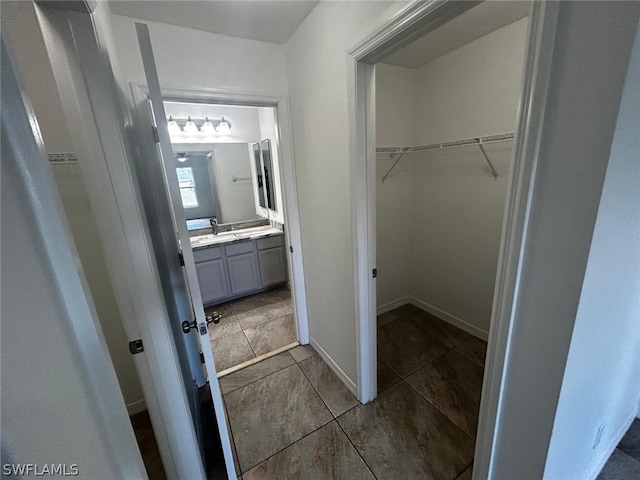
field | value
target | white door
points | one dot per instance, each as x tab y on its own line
199	330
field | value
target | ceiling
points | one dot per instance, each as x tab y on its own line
265	20
477	22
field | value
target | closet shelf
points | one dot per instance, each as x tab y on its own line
466	142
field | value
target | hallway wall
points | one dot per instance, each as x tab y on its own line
20	25
600	390
317	78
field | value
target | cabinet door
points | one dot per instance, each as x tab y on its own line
213	280
243	273
272	266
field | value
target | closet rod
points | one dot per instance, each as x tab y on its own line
479	141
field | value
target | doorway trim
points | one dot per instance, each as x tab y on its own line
287	172
412	22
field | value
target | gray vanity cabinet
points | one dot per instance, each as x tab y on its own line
232	270
272	261
243	267
212	276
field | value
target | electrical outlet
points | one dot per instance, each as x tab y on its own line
598	435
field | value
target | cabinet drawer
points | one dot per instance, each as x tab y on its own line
239	248
210	253
269	242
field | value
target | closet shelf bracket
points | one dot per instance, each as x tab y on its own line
486	157
402	154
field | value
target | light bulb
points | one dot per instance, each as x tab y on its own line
207	127
174	128
190	128
224	127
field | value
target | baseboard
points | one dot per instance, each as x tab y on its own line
334	366
615	440
387	307
452	319
136	407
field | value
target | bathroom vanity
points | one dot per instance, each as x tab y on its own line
238	263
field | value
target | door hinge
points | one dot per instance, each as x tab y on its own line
374	272
154	132
181	259
201	357
291	248
136	346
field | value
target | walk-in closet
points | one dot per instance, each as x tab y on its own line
446	113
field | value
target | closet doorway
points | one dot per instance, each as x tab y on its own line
441	99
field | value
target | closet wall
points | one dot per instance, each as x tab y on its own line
443	209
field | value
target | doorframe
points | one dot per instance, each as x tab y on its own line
287	170
408	24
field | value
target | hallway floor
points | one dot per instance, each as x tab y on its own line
291	417
624	463
252	326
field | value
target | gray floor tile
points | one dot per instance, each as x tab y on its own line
252	302
388	317
401	435
630	443
272	413
231	350
256	316
453	385
325	454
405	345
227	325
474	349
268	336
333	392
302	352
255	372
467	474
448	334
620	467
386	377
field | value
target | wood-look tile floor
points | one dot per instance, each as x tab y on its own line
251	326
291	417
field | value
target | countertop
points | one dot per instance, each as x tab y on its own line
203	241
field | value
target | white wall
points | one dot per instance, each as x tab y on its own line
60	400
317	77
22	31
187	58
455	206
601	385
237	202
395	101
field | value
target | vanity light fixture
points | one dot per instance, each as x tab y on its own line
182	157
174	128
207	127
224	127
190	128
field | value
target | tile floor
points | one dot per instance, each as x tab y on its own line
624	463
252	326
291	417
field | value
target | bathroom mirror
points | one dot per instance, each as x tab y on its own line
257	159
217	184
265	147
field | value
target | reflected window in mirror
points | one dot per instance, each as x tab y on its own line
187	185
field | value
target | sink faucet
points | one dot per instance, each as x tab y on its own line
214	225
